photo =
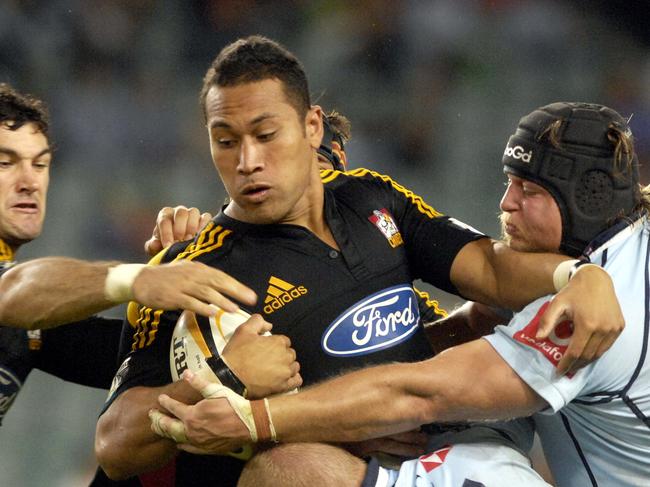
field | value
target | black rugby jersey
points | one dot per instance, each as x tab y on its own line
343	309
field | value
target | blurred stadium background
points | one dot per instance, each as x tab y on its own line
433	90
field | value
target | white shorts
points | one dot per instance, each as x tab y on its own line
460	465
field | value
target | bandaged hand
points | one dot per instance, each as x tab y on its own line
219	424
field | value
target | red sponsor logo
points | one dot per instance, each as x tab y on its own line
435	459
552	347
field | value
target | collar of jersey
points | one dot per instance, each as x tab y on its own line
615	234
260	230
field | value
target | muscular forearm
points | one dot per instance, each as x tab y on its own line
490	272
124	443
386	402
50	291
388	399
46	292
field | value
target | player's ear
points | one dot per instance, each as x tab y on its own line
314	126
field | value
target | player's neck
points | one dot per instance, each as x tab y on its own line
309	212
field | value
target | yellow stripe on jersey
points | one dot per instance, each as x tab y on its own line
327	175
208	228
132	310
431	303
154	326
6	253
141	327
417	200
209	247
207	233
146	323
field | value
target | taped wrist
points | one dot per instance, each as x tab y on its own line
225	375
562	274
566	270
240	406
581	264
175	431
118	286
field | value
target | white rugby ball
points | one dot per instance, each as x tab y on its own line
197	337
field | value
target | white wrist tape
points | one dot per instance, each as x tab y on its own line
562	274
241	406
118	286
175	431
581	265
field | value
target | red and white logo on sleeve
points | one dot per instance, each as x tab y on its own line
434	460
552	347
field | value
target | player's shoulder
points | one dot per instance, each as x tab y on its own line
356	177
366	184
358	181
213	238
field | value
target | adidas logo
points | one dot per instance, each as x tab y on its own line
280	293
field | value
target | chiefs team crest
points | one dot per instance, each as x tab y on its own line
553	347
383	220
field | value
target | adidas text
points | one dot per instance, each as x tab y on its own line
284	298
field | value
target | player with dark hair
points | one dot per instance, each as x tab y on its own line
84	351
25	157
573	188
332	253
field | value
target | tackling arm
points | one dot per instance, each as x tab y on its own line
43	293
492	273
71	290
386	400
393	398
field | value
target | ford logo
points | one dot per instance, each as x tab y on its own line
380	321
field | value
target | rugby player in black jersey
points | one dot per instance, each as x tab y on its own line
264	136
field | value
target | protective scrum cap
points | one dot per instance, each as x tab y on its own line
581	174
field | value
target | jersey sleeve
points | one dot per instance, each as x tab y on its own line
83	352
432	240
535	360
